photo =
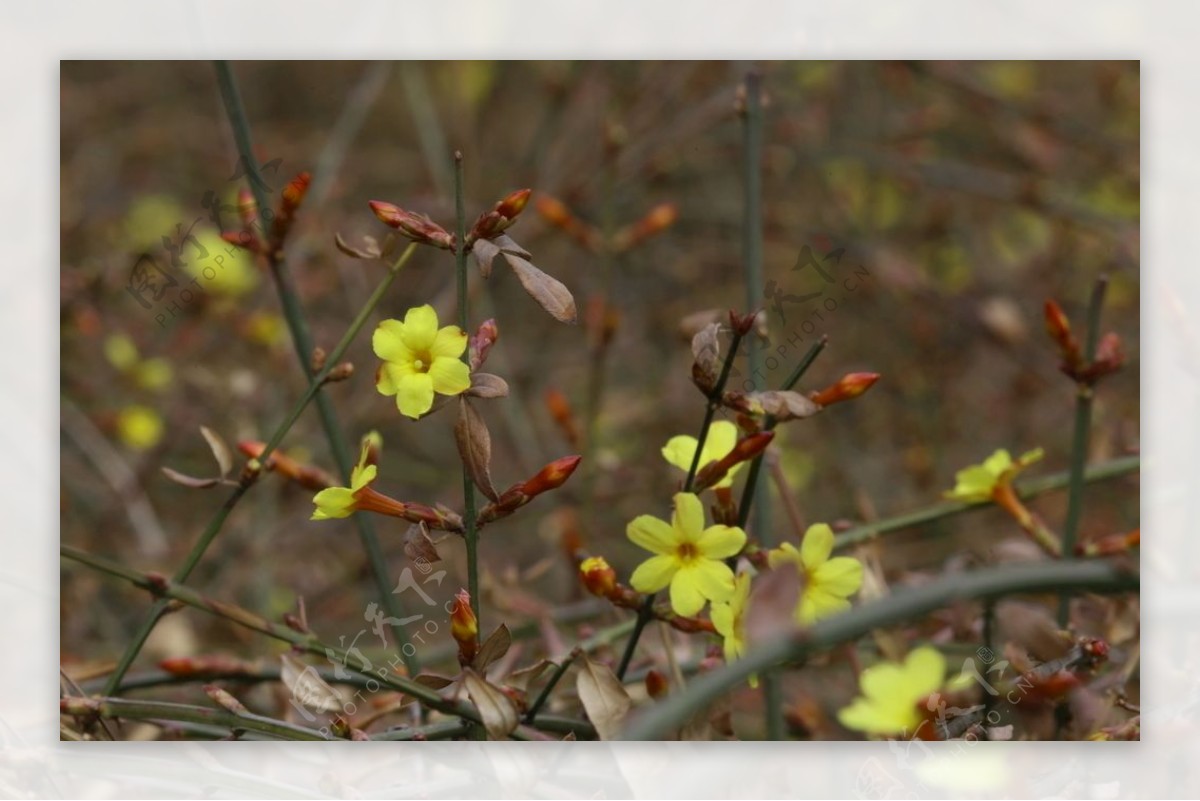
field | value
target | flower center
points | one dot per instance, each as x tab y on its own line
422	362
686	552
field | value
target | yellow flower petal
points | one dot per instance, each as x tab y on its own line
686	597
721	615
333	503
450	342
414	394
785	554
450	376
998	462
817	545
722	436
720	542
139	427
388	342
925	668
841	576
420	328
651	533
816	604
712	579
654	574
121	352
688	517
362	476
680	451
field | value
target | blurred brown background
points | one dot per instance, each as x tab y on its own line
968	192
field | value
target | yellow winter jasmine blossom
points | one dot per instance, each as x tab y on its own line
688	556
419	360
722	436
890	704
979	481
342	501
139	427
729	619
827	582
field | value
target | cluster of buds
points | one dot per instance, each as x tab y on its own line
654	222
550	477
492	223
1108	359
281	221
464	628
415	226
600	579
307	476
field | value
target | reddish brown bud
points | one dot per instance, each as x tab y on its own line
513	204
560	410
481	342
745	449
294	192
464	627
850	386
201	665
242	239
306	476
598	576
657	220
656	684
742	324
1109	358
247	207
556	213
552	476
488	225
415	226
1059	329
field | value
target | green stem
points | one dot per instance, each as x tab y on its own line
470	533
904	605
714	400
166	711
1079	443
752	254
1103	471
559	672
302	340
218	520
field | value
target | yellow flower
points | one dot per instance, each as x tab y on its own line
139	427
121	352
419	360
827	582
977	482
341	501
722	436
225	269
892	693
687	555
154	374
729	619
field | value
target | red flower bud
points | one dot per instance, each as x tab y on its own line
1059	329
464	627
307	476
598	576
513	204
745	449
656	684
415	226
294	192
560	410
552	476
247	207
481	342
850	386
657	220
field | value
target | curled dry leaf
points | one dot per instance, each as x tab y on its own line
487	385
189	481
370	248
220	450
706	357
493	648
549	292
475	447
603	696
523	679
485	252
224	699
780	404
418	545
307	686
508	245
496	710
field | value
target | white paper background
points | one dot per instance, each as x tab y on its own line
34	36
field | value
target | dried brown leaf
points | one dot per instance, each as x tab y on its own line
189	481
486	385
485	252
508	245
369	250
493	648
475	447
307	686
782	405
418	545
603	696
497	711
548	291
706	357
220	450
524	678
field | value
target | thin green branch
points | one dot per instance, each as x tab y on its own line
1102	471
302	340
470	533
1079	442
1092	575
555	677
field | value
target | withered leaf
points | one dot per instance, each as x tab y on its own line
224	700
475	447
487	385
603	697
417	544
524	678
549	292
508	245
780	404
220	450
433	681
706	357
370	248
494	647
485	253
497	711
307	686
189	481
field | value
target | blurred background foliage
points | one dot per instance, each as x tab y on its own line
964	195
